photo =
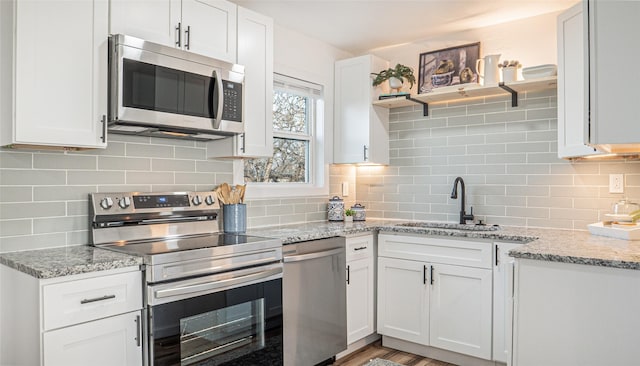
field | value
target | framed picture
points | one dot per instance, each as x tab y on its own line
449	66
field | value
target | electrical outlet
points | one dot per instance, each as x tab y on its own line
616	183
345	189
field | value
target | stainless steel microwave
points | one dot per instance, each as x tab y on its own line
155	90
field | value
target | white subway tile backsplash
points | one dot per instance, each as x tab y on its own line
57	161
172	165
28	210
15	194
86	177
122	163
150	151
17	160
14	177
62	193
60	224
15	227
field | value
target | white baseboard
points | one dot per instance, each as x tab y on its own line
358	344
436	353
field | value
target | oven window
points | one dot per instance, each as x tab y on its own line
233	331
162	89
241	326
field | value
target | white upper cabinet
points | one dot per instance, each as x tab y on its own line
361	129
596	94
54	58
573	90
255	52
206	27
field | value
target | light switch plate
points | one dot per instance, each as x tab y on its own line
616	183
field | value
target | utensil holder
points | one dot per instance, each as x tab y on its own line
234	218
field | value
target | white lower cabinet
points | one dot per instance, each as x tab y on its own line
106	342
360	288
86	319
426	297
503	302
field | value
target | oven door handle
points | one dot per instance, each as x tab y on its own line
216	285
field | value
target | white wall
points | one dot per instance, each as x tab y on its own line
532	41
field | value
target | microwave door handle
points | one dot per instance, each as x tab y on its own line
218	117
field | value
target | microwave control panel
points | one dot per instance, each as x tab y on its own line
232	97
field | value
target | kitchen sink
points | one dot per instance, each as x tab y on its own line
450	226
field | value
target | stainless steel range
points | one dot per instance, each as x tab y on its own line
210	298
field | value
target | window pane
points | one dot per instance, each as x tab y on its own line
290	112
289	163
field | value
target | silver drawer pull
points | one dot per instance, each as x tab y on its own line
359	248
105	297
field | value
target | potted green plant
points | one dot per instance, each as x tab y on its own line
396	77
348	215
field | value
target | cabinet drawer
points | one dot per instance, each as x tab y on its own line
79	301
461	252
359	247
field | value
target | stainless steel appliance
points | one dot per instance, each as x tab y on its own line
210	298
168	92
315	305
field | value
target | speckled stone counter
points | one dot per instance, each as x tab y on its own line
568	246
67	261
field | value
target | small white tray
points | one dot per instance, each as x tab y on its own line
625	233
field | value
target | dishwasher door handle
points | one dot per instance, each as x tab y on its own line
313	255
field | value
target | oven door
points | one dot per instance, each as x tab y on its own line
230	319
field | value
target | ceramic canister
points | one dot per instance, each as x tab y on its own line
335	209
358	212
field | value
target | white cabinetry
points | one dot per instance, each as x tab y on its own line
503	302
54	73
207	27
361	129
573	314
436	291
83	319
594	105
360	287
255	52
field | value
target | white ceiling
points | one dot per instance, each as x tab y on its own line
358	26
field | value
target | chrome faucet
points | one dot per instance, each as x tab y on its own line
454	194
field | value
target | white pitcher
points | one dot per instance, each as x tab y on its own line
488	70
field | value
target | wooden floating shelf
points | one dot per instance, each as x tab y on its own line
469	92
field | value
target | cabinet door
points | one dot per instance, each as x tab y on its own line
106	342
209	28
361	130
154	21
403	299
503	302
613	27
255	52
460	310
61	83
360	298
573	91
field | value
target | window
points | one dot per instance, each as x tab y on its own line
297	126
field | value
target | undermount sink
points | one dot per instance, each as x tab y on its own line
450	226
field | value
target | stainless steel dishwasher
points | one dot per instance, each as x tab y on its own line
314	301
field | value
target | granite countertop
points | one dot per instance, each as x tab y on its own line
67	261
556	245
568	246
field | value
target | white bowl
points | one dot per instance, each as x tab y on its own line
541	71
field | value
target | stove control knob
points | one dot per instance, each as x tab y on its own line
196	200
106	203
208	200
124	202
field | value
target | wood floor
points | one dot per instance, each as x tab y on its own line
376	350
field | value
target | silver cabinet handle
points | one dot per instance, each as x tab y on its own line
138	330
366	153
213	285
187	34
105	297
217	120
244	143
179	35
104	128
314	255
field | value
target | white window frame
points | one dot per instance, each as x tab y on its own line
319	170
